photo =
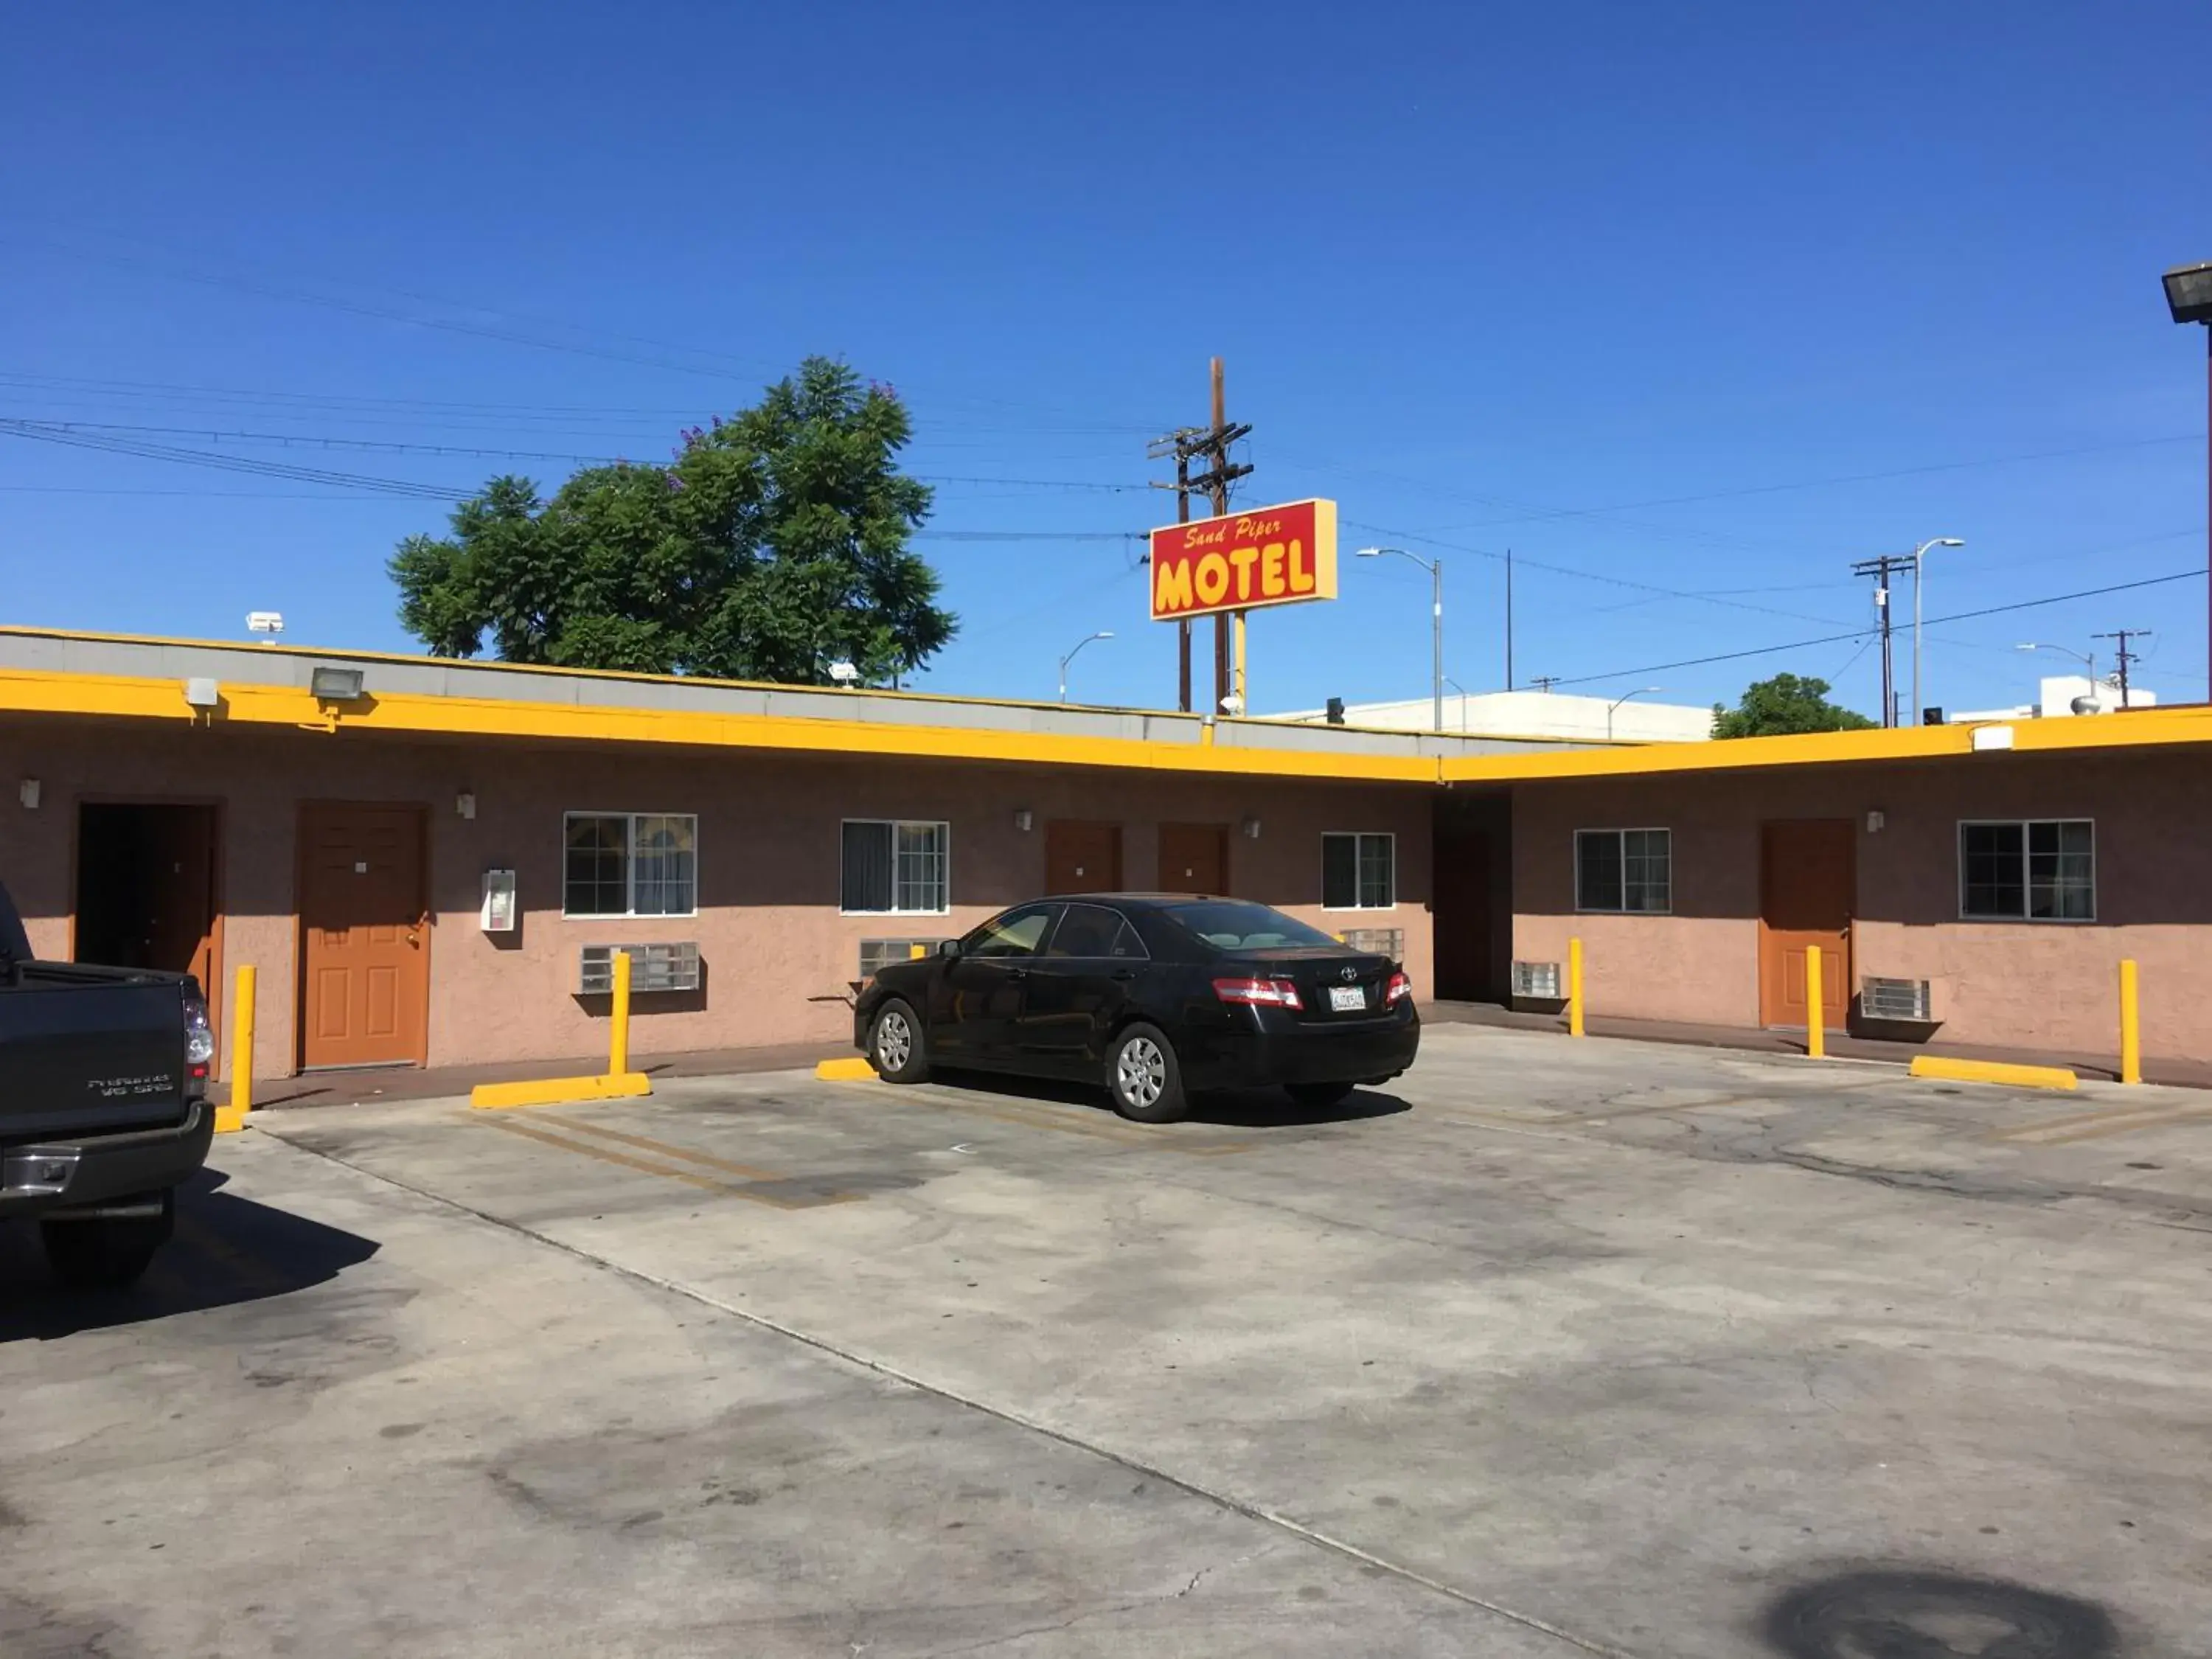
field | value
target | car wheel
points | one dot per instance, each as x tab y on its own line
1143	1077
1315	1095
104	1253
896	1046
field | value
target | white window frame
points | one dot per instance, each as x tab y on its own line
943	826
1359	836
1959	852
1622	835
629	867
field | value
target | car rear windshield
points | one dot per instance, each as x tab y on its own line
1234	924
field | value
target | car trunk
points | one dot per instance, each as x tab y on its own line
1325	976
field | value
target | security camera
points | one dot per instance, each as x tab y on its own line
1232	704
844	674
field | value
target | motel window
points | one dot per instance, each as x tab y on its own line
1359	871
1626	870
2037	869
895	868
630	864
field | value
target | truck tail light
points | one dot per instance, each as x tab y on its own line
199	1038
1259	993
1399	989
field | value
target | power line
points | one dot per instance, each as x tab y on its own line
1869	633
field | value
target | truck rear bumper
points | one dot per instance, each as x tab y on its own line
90	1172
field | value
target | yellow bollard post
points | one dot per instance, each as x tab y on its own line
916	951
618	1041
1816	1023
1574	988
2131	1024
232	1117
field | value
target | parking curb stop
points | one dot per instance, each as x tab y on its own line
853	1070
1991	1070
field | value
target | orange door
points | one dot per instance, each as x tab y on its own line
1194	857
1082	858
1809	877
364	935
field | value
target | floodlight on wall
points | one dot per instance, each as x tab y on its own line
336	684
844	674
2189	293
201	693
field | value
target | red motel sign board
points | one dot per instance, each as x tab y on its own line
1240	562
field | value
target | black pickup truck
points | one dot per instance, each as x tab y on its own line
103	1105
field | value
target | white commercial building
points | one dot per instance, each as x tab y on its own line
1532	714
2065	695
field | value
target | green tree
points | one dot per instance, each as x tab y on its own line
1785	704
773	545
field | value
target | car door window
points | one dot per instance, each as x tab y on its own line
1086	930
1017	933
1127	947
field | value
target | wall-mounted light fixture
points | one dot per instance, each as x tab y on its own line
1024	820
498	914
1250	827
201	693
1876	820
336	684
465	804
27	793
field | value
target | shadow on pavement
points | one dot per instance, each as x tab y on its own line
227	1250
1254	1109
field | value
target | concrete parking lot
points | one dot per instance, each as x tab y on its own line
1552	1348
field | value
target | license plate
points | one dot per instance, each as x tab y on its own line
1347	999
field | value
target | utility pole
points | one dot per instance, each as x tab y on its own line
2123	655
1509	619
1882	569
1209	444
1545	682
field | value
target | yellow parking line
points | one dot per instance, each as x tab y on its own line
2064	1132
622	1159
685	1153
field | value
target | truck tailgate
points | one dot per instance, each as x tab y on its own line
88	1050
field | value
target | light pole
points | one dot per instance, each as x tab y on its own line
2189	297
1919	708
1436	569
1103	634
1461	690
2087	658
1640	691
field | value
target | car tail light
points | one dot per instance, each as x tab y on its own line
1399	989
1259	993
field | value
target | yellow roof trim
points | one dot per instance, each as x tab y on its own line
43	692
2146	728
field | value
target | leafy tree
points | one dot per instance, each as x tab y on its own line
773	545
1785	704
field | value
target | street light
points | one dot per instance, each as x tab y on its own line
1919	554
1462	691
1436	569
1640	691
2189	297
1103	634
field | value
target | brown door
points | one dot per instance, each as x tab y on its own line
1194	857
1461	913
364	935
1082	858
1808	878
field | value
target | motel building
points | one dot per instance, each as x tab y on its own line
427	863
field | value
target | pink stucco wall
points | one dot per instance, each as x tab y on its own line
778	955
2044	985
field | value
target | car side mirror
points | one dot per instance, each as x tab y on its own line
948	948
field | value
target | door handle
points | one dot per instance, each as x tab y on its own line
1017	973
1125	973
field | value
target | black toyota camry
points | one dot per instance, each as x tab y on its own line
1156	996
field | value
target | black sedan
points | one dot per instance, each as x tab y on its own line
1157	996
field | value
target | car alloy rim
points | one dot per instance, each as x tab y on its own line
894	1041
1142	1071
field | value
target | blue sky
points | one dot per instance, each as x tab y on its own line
1588	282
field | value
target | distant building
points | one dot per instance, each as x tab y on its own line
2066	695
1530	714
